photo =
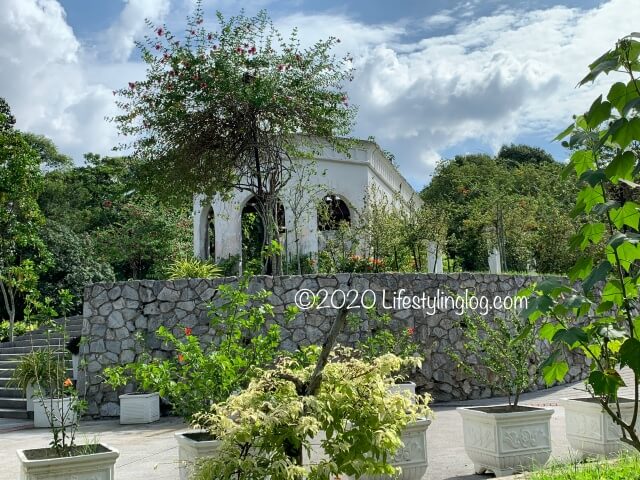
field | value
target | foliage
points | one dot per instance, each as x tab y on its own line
622	468
22	253
265	428
7	120
381	339
73	262
502	350
42	369
515	202
46	370
605	141
199	375
192	268
238	102
19	328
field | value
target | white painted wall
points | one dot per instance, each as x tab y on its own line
345	176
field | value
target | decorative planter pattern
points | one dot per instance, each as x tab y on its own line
506	442
57	408
96	466
412	457
139	408
190	450
590	430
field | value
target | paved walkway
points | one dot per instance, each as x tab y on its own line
150	451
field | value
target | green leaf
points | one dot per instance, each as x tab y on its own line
612	292
628	214
624	131
597	275
593	177
590	196
555	372
630	354
550	285
588	233
598	113
571	337
548	331
618	95
605	383
631	105
621	167
565	132
627	254
581	269
582	161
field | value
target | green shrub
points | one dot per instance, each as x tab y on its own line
20	328
192	268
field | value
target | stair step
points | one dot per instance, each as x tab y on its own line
13	403
14	413
21	350
11	392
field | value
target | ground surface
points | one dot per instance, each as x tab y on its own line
150	451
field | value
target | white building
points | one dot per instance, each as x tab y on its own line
342	180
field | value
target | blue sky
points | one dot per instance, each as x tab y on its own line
433	78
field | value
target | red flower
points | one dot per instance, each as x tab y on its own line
252	50
210	37
411	330
180	358
107	204
281	67
239	50
68	383
159	31
187	331
158	46
132	85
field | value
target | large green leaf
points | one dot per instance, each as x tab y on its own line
591	196
630	354
597	274
572	337
605	383
581	269
598	113
588	233
627	253
628	214
620	95
548	330
624	131
612	292
582	160
555	372
621	167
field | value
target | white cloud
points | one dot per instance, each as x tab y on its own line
120	38
492	79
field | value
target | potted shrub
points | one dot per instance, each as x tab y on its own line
511	438
37	369
266	429
62	407
136	407
197	375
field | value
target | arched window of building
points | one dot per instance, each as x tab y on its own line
332	211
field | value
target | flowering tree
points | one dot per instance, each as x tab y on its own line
222	110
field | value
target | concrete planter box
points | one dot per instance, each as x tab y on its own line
193	446
139	408
96	466
412	457
403	387
58	408
29	393
506	442
590	430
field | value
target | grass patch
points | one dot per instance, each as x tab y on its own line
627	467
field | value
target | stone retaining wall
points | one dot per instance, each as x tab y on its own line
116	313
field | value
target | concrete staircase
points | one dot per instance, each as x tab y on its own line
13	403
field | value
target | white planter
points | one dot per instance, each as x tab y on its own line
58	409
29	392
403	387
412	457
96	466
190	449
506	442
139	408
590	429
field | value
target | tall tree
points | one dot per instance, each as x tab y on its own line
224	109
20	217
